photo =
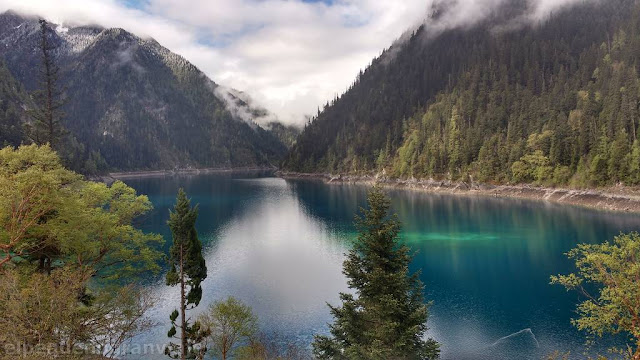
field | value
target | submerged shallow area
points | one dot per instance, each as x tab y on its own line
278	245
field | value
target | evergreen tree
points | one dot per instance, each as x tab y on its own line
454	144
386	319
47	119
187	269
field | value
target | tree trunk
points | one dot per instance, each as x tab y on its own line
183	321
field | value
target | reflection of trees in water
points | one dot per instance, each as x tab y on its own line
486	262
331	203
483	259
220	196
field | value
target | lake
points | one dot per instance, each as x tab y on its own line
278	245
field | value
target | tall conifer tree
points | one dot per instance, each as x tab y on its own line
188	270
47	119
386	318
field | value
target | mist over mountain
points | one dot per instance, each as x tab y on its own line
508	97
133	104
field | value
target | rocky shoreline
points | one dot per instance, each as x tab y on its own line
619	198
111	177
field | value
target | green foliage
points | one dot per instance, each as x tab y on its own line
554	104
63	242
46	127
230	323
187	269
50	216
287	134
634	164
532	168
12	116
613	268
455	155
185	257
195	339
386	318
561	175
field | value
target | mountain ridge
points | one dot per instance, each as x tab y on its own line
498	106
134	104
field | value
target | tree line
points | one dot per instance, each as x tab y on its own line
555	103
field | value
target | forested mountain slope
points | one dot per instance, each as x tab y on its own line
551	102
13	103
132	104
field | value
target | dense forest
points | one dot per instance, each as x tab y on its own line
553	102
12	116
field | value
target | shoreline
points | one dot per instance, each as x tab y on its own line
113	176
617	199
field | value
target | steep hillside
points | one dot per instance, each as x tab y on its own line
506	100
133	104
13	103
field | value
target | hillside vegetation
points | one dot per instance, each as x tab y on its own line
128	102
553	102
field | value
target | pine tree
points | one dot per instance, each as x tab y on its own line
454	144
187	269
386	319
47	119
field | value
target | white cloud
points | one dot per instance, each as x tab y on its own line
290	56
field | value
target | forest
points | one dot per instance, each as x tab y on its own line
551	103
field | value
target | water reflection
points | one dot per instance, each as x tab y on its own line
486	263
266	251
278	245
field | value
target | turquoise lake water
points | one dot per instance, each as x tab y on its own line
278	246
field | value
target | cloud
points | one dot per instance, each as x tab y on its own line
465	13
291	56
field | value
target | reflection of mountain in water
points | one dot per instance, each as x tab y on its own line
278	246
267	252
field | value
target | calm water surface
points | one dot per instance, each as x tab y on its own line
278	246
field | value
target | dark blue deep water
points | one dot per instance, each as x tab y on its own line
278	246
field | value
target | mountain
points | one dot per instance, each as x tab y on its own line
132	104
507	99
13	104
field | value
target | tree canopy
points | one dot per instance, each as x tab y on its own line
613	269
229	323
51	216
69	256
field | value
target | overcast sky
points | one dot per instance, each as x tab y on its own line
291	56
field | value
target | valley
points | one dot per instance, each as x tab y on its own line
473	193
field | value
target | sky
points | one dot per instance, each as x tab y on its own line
290	56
